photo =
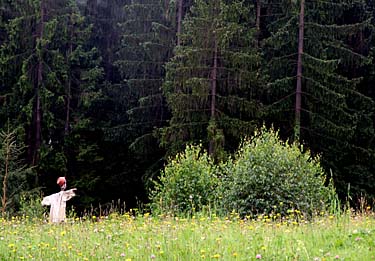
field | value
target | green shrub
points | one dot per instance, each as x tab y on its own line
187	184
30	204
269	175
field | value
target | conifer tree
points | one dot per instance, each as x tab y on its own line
148	38
325	116
212	82
50	73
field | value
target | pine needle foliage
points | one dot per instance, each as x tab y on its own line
333	105
212	81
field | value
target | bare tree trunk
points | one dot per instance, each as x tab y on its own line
166	9
68	87
179	20
4	200
297	127
68	97
257	22
211	149
36	128
38	112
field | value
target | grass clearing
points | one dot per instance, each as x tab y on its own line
144	237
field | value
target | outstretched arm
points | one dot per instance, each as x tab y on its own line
46	201
69	194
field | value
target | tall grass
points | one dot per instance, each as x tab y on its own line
145	237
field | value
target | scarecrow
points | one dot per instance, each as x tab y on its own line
58	201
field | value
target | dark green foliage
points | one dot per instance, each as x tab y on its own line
147	40
268	175
93	88
335	111
14	173
187	184
212	82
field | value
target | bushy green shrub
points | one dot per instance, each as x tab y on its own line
269	175
187	183
30	204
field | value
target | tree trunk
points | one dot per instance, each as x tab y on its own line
38	112
297	127
34	132
257	22
211	149
4	200
179	20
69	85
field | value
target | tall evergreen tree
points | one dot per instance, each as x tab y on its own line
49	73
212	82
329	104
147	43
105	15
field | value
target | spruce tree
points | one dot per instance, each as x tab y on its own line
313	70
51	74
213	83
147	41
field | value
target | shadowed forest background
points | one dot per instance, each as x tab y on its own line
105	91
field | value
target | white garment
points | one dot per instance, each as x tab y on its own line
57	202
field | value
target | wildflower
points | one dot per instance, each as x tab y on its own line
152	256
258	256
337	257
122	254
235	254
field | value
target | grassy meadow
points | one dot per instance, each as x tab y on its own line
144	237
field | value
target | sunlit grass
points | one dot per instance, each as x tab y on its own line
144	237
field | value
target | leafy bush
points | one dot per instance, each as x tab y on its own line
30	204
187	183
269	175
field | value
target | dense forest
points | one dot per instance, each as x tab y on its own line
104	91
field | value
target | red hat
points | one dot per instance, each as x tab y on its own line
61	181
